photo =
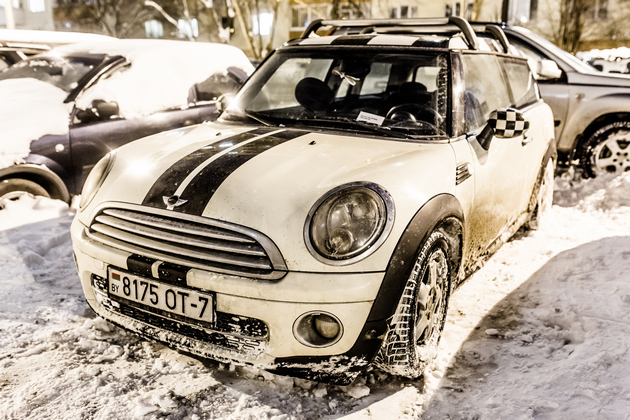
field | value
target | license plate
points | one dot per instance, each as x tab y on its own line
184	302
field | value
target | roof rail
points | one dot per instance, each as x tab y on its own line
461	23
500	36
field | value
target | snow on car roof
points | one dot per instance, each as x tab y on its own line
132	47
161	73
48	37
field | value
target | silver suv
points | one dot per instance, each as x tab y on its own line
591	109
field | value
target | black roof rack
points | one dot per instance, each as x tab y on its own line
373	24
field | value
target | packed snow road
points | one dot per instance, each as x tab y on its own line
542	332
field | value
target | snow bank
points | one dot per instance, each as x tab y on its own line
608	54
29	109
542	331
606	192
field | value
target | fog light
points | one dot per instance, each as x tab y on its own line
317	329
326	326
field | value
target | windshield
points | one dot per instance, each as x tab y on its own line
63	72
402	95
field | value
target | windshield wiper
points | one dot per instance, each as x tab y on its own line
366	126
256	116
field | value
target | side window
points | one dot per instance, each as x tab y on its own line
533	57
521	82
486	89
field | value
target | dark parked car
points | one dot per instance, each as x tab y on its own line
63	111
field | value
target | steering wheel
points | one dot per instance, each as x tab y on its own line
411	112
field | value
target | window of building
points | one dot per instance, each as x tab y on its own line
188	28
470	8
601	9
302	15
403	12
153	29
35	6
533	9
349	11
266	20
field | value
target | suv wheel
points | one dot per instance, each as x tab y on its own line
11	189
415	329
607	150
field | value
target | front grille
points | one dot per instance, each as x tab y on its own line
193	242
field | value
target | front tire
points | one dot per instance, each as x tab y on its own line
414	331
607	150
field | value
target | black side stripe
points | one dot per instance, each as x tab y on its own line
169	181
205	184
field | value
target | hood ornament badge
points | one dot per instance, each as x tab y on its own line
173	201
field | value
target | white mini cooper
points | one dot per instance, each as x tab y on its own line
323	222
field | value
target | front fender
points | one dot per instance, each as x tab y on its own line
442	211
591	107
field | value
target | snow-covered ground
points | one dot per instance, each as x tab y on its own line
542	332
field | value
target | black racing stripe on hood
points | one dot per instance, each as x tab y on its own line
202	188
170	180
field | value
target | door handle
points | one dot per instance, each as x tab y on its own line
526	141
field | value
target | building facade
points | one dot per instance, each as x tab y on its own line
28	14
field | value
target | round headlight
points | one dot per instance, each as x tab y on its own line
95	178
348	222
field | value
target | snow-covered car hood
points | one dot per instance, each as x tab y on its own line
29	109
269	178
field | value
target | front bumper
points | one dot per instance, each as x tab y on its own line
255	319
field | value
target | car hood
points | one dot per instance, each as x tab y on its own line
29	109
268	179
599	79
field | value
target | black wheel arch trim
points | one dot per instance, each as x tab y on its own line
443	210
41	175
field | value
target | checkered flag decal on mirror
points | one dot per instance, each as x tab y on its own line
508	123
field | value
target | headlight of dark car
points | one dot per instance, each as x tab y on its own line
348	223
95	178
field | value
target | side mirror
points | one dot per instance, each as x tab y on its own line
237	74
503	123
223	101
105	110
548	69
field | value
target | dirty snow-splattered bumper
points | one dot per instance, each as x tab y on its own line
233	318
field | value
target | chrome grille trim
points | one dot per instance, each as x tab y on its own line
178	226
190	241
239	248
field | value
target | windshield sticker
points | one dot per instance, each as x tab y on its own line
370	118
